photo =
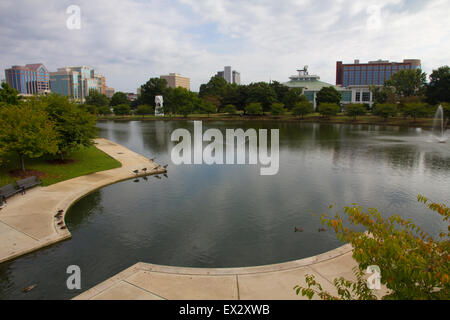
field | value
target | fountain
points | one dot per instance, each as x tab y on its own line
438	126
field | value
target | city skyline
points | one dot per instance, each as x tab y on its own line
129	42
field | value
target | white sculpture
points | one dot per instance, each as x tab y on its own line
159	102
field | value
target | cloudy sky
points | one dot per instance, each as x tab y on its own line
130	41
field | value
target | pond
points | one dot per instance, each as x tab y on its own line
230	215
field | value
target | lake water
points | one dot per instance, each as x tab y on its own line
230	215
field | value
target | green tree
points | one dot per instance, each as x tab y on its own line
144	109
407	83
230	109
277	109
280	90
217	86
262	93
385	110
97	99
9	95
75	126
152	88
122	109
328	109
303	108
416	110
182	101
89	108
354	110
119	98
438	90
413	264
383	95
27	131
328	95
254	108
208	108
104	110
294	96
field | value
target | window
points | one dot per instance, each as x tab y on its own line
366	96
358	96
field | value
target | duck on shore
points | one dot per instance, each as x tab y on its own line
298	229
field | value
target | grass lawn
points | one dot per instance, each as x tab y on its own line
81	162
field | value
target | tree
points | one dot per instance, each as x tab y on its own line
216	86
182	101
97	99
277	109
294	96
354	110
329	109
328	95
416	110
122	109
90	108
383	94
254	108
303	108
438	90
413	264
385	110
280	90
152	88
75	126
27	131
104	110
144	109
119	98
208	107
407	83
262	93
230	109
9	95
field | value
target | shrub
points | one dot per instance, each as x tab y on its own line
303	108
329	109
277	109
354	110
122	109
230	109
254	108
385	110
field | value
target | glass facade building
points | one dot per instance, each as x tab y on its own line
76	82
372	73
31	79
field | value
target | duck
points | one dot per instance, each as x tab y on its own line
144	169
60	223
165	166
298	229
28	289
165	175
157	177
152	159
63	228
136	172
322	230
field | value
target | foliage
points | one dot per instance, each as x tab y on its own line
208	107
354	110
181	101
383	95
328	109
438	90
75	126
280	90
407	83
144	109
9	95
385	110
446	107
414	265
277	109
254	108
416	110
104	110
27	131
230	109
122	109
303	108
328	95
119	98
90	108
294	96
216	86
262	93
152	88
97	99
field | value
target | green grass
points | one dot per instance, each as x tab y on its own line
86	161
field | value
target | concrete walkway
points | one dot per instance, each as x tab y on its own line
145	281
27	223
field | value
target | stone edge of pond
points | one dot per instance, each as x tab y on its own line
28	222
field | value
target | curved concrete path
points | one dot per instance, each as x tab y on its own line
27	223
145	281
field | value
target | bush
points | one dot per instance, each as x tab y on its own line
254	108
122	109
413	265
354	110
416	110
329	109
104	110
144	109
277	109
385	110
230	109
303	108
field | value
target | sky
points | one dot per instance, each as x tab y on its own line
131	41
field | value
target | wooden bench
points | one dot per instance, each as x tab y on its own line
8	191
28	183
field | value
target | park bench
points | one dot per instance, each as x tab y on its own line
8	191
28	183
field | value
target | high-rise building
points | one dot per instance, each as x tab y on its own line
101	83
230	75
63	82
175	80
31	79
371	73
109	92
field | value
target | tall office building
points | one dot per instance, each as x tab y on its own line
175	80
101	83
31	79
76	82
109	92
372	73
230	75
